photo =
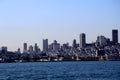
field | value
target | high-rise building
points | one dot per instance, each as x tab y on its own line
74	44
18	51
101	40
65	46
56	46
4	49
82	40
45	44
36	48
25	48
115	36
31	49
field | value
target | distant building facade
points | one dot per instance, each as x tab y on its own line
25	48
30	49
18	51
4	49
65	46
36	48
45	44
115	36
82	40
101	40
74	44
56	46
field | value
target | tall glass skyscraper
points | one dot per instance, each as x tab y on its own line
45	44
115	36
82	40
25	48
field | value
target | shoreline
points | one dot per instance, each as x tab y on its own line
61	61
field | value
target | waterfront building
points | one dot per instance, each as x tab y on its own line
109	43
45	44
25	48
36	48
74	45
30	49
101	40
82	40
50	47
18	51
4	49
115	36
56	46
65	46
39	50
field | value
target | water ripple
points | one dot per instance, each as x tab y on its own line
60	71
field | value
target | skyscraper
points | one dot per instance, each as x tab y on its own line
82	40
56	46
45	44
74	44
31	49
101	40
25	48
115	36
36	48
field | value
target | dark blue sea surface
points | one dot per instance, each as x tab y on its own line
96	70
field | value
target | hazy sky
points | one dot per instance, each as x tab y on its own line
62	20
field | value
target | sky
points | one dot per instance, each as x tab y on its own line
31	21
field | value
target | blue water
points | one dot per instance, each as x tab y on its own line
105	70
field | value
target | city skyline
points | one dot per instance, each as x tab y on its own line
101	40
62	20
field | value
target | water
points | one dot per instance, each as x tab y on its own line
61	71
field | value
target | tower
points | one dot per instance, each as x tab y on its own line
31	49
36	48
56	46
74	44
25	48
82	40
45	44
101	40
115	36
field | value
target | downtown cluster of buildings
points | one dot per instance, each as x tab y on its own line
102	49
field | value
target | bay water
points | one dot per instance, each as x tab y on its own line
86	70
